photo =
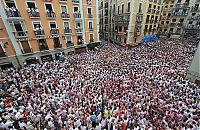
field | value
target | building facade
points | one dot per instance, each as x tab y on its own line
192	25
35	30
103	19
130	20
180	19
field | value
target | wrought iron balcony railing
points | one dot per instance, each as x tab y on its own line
65	15
91	29
33	13
90	16
20	34
50	15
77	15
190	26
54	31
57	45
67	30
39	32
75	1
79	30
11	13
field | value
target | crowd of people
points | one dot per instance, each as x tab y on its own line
143	88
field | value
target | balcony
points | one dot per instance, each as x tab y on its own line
11	13
50	14
157	12
2	54
91	40
80	42
27	50
43	47
155	21
62	0
70	44
170	9
173	24
153	11
91	29
89	2
20	34
39	33
149	10
79	30
65	15
179	5
67	30
90	16
180	14
57	45
195	17
33	12
163	17
194	9
190	26
179	24
54	31
75	1
151	21
77	15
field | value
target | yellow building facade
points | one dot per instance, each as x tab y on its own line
134	19
43	30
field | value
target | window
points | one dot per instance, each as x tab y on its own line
89	10
181	20
114	8
173	20
140	7
128	10
37	25
78	25
162	22
91	37
31	5
190	22
150	5
171	29
122	8
52	24
66	25
76	9
68	39
90	25
63	9
48	7
2	53
118	9
193	14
